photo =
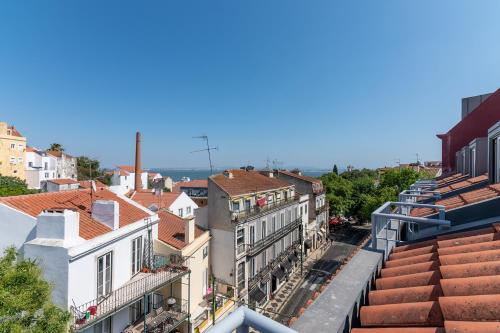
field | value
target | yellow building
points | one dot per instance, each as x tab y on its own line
12	151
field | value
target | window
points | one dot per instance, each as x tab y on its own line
46	166
305	208
264	259
252	267
104	270
301	210
188	210
20	147
20	160
181	212
205	282
241	275
205	252
248	203
236	206
136	255
263	230
282	244
12	160
103	326
282	220
252	234
240	240
46	175
12	146
273	251
274	223
30	164
125	177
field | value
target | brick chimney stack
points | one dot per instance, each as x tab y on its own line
138	171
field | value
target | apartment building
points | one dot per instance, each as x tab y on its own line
196	189
181	237
96	248
65	164
123	179
39	167
256	226
12	151
317	226
177	203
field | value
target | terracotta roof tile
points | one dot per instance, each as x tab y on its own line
86	184
244	182
15	132
195	183
303	177
148	198
79	200
457	288
171	230
63	181
467	198
126	169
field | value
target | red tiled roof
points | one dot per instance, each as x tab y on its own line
244	182
303	177
448	284
58	153
171	230
452	179
31	150
63	181
14	131
86	184
148	198
79	200
467	198
462	184
196	183
126	169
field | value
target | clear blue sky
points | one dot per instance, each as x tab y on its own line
310	83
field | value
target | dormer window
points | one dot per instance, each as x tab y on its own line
494	153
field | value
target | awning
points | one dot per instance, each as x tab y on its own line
308	243
293	257
286	264
279	273
257	295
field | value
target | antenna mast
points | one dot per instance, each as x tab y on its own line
208	149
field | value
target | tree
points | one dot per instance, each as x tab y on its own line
335	169
25	304
399	179
87	168
10	186
56	147
338	193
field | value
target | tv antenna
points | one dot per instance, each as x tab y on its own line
277	164
208	149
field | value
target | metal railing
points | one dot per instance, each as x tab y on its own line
259	245
415	195
429	184
241	215
163	321
272	264
389	219
143	283
321	209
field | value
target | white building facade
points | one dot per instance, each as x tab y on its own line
256	230
39	167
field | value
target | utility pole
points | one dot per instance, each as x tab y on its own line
208	149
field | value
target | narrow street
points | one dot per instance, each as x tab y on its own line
345	241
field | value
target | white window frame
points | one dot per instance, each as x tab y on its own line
136	255
107	274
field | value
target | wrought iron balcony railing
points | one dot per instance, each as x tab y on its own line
163	272
321	209
261	244
163	318
272	264
242	215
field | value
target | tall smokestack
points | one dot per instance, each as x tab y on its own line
138	171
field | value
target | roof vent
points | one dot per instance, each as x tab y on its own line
228	174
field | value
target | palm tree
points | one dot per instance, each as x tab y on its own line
56	147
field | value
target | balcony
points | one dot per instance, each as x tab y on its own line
263	273
263	243
321	209
143	283
163	318
253	211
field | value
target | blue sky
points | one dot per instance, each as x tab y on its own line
309	83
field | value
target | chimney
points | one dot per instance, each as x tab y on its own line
58	223
138	181
107	212
228	174
189	230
